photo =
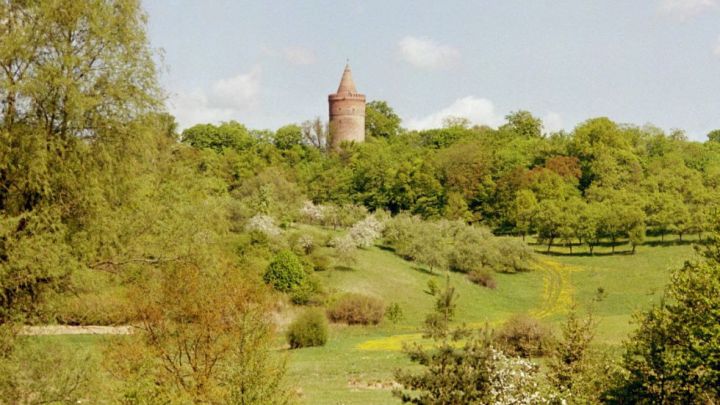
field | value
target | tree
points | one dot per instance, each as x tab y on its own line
450	375
204	336
673	355
714	136
548	221
588	225
228	135
636	234
569	362
381	121
288	136
77	91
75	69
462	367
316	133
523	124
524	211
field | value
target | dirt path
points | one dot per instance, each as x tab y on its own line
557	289
75	330
556	298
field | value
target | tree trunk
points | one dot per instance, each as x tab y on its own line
591	247
633	250
613	244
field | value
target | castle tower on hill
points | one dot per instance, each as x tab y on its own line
347	112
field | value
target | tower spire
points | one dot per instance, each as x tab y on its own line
347	85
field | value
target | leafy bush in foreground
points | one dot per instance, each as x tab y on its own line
309	329
357	309
285	272
524	336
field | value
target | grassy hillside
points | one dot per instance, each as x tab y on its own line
356	365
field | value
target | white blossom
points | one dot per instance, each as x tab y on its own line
364	233
263	223
514	381
313	213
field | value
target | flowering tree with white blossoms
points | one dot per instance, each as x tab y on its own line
313	213
513	380
264	224
367	231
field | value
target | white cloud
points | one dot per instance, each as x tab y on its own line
684	9
225	100
479	111
552	122
427	54
716	51
298	55
238	92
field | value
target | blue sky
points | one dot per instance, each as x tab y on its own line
269	63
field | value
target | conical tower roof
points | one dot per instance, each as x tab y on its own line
347	85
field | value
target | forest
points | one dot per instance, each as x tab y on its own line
225	247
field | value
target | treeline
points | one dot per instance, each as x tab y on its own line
604	181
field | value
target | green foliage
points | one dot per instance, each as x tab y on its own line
523	124
307	330
714	136
42	374
394	313
285	272
570	366
228	135
524	336
288	136
673	355
353	308
482	278
381	120
202	336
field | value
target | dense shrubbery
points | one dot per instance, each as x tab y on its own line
455	245
285	273
308	329
355	308
524	336
483	278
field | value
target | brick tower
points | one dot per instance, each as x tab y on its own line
347	112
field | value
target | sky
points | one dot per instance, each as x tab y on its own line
270	63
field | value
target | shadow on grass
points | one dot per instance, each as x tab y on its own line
386	248
424	270
585	254
675	242
343	268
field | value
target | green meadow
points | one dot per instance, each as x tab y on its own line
357	363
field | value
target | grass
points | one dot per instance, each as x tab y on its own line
356	365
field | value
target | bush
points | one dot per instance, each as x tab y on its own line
320	262
309	292
394	313
524	336
285	272
309	329
355	308
483	278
